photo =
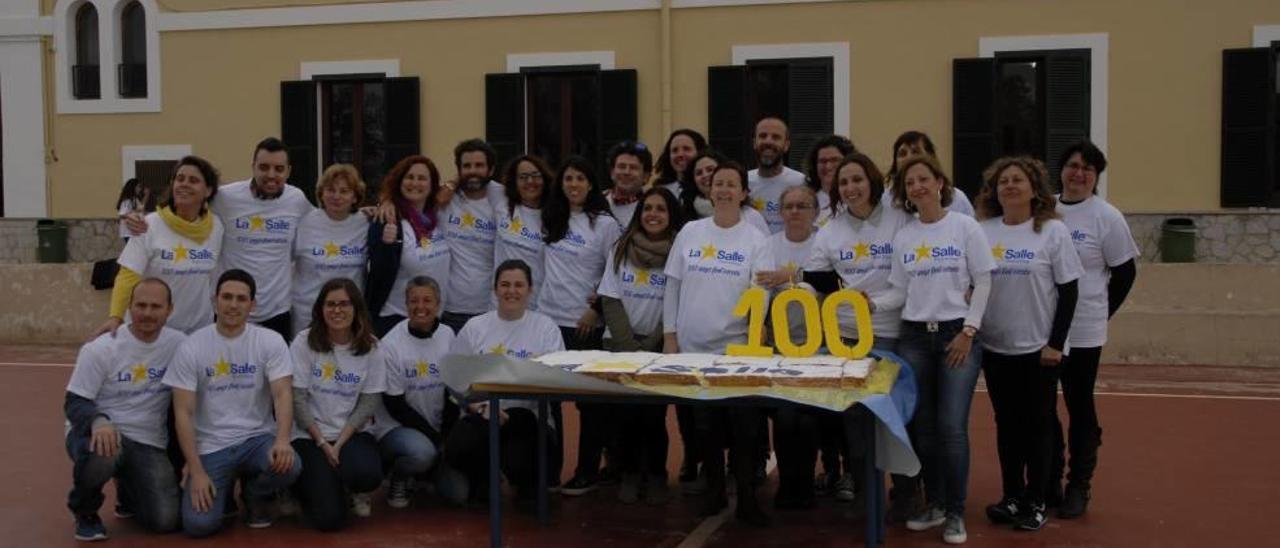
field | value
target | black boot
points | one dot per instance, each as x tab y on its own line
1075	502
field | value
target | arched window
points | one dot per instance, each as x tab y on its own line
84	73
133	51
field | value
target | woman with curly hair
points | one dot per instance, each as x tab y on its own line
1033	298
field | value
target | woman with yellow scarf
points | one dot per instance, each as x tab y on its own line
181	248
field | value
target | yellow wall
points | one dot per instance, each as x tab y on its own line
221	88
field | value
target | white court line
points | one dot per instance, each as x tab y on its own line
26	364
1175	396
702	533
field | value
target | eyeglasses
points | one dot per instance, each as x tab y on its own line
796	207
334	305
529	176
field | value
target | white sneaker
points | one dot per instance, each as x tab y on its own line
844	488
398	494
360	505
954	532
928	519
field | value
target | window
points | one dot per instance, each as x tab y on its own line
555	112
155	174
368	121
1250	157
1034	103
84	72
132	70
799	90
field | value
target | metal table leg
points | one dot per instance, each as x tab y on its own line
543	517
495	475
874	534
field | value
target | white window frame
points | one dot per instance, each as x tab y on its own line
131	154
1264	35
1098	47
517	61
838	52
108	57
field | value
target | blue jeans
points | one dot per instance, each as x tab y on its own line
408	453
940	427
251	460
141	470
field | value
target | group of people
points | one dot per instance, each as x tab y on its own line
193	375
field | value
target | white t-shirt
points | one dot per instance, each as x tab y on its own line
334	381
623	213
1103	240
1024	295
520	237
778	253
471	227
259	239
186	265
936	262
766	194
755	219
122	375
640	290
325	249
126	207
232	381
861	253
824	209
713	265
420	257
574	265
531	336
413	370
674	188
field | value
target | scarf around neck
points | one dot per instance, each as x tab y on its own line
648	254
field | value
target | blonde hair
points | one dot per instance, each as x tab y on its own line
336	173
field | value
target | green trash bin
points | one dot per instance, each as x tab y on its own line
1178	240
52	238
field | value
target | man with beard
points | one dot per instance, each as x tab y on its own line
630	163
766	183
471	226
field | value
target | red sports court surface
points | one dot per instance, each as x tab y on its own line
1189	459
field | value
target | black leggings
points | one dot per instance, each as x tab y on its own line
795	437
467	450
643	441
1022	396
322	489
1079	375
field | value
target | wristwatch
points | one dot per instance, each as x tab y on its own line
969	331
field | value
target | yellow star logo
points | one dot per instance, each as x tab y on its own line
758	204
179	253
424	242
326	371
468	220
923	251
256	222
423	368
139	373
708	251
642	277
860	250
221	368
998	251
499	349
516	225
331	249
791	265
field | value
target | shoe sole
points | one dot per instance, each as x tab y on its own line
259	524
845	497
398	504
576	492
956	540
1028	528
94	538
925	525
1000	519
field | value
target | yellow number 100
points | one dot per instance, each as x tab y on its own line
817	328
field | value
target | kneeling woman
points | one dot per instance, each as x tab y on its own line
1033	298
338	378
